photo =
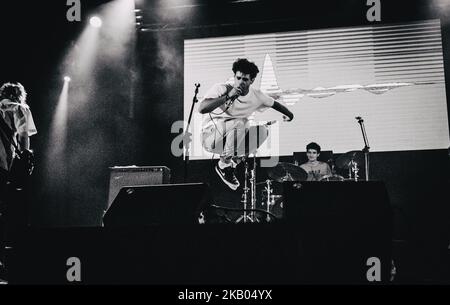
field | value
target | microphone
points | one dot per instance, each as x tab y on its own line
234	97
196	88
231	100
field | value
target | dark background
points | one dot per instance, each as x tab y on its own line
35	37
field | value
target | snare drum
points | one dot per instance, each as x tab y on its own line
332	178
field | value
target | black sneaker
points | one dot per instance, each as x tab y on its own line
228	177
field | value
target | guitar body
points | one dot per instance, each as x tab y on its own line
21	168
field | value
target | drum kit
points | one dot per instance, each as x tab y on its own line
350	161
272	203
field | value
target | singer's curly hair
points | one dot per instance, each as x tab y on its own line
13	91
313	145
246	67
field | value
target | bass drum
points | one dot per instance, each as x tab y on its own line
332	178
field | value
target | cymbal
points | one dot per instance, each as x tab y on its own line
344	160
284	171
263	182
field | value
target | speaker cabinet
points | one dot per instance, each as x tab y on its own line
339	227
121	176
159	204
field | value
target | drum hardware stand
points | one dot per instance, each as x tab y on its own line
251	176
269	202
366	148
353	168
244	218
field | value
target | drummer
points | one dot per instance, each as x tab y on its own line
315	169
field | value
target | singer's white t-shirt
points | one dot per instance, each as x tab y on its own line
19	119
242	107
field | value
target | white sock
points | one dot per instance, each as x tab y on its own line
222	164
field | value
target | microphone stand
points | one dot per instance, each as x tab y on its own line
366	146
187	143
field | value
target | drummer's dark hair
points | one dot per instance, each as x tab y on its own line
313	145
246	67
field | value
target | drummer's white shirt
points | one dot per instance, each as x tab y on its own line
316	171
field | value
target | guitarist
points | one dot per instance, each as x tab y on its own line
16	126
15	112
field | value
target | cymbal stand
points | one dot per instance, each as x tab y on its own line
366	148
244	217
353	168
253	190
250	175
269	191
350	170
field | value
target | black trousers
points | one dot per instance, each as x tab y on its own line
13	210
3	199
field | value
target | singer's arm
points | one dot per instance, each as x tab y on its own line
209	104
283	109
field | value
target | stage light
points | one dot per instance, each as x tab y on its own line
95	21
67	78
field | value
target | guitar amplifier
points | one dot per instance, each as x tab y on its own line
121	176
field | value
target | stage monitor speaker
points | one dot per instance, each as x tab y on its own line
121	176
159	205
340	226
